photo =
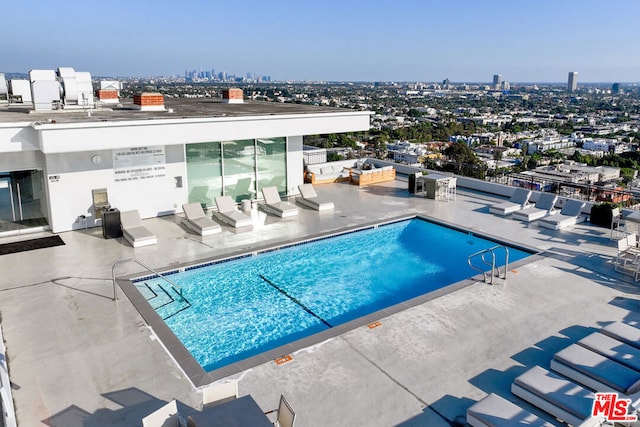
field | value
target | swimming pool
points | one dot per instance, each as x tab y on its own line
232	310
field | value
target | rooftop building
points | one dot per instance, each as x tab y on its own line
152	154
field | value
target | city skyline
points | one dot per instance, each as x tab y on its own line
333	41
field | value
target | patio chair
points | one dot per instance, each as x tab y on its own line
285	415
134	232
167	416
219	393
570	214
544	206
613	349
518	200
273	203
229	214
597	372
197	221
627	260
623	332
495	411
557	396
311	199
618	223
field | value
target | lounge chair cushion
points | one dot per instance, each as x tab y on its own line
495	411
518	200
311	199
307	191
623	332
560	392
228	213
193	211
544	206
274	204
134	231
572	208
570	214
599	368
196	220
613	349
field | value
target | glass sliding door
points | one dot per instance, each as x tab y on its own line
239	166
272	163
204	172
22	201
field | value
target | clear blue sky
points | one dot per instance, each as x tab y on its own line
355	40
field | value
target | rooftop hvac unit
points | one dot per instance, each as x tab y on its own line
19	91
35	75
76	86
4	91
45	89
85	88
45	93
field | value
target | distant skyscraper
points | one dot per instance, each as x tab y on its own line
615	88
497	80
572	84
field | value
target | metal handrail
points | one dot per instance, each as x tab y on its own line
174	285
482	254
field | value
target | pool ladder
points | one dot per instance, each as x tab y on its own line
495	270
174	285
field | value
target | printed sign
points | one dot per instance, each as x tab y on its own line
613	409
139	163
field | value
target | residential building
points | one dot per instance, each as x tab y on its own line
497	81
572	84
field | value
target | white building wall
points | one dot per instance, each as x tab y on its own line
26	160
71	177
18	137
71	137
295	167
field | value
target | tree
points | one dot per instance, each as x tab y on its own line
459	152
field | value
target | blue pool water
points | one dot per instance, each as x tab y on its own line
241	308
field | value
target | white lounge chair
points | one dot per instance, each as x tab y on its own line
544	206
557	396
197	221
273	203
623	332
167	416
597	372
311	199
229	214
613	349
495	411
134	232
518	200
570	214
219	393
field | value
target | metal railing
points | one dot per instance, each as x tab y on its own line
580	191
495	270
174	285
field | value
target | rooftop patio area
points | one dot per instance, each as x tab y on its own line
77	358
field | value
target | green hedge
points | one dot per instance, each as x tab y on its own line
601	214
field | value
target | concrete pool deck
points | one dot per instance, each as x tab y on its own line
77	358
